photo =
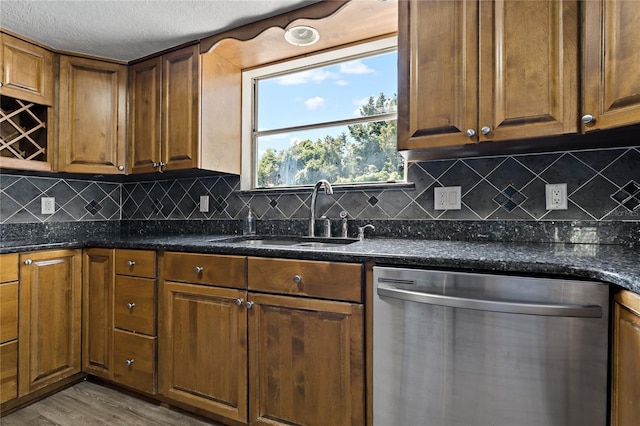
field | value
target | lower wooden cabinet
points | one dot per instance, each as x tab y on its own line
625	401
50	306
134	360
8	327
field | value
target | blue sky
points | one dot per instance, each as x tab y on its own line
329	93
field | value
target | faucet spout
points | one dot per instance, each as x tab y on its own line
312	209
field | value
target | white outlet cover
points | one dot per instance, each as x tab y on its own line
47	205
204	203
556	196
447	198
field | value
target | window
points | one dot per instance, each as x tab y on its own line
329	116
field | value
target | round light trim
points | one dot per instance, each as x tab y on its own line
302	35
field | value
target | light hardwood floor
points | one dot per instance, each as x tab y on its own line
88	404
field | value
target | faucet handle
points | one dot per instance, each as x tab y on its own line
361	230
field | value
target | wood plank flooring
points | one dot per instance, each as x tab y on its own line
88	403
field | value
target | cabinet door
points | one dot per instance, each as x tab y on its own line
50	304
145	89
611	56
92	133
437	73
27	71
180	108
202	359
528	72
306	362
625	404
97	312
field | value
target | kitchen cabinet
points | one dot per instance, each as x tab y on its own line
306	351
611	55
134	320
203	333
625	401
97	312
481	71
27	71
92	116
50	306
184	113
8	327
165	108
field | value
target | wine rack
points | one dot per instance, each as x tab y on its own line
23	134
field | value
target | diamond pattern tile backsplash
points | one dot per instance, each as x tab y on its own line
602	185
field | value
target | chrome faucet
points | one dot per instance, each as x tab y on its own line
312	209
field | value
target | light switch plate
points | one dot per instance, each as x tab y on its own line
47	205
447	198
204	203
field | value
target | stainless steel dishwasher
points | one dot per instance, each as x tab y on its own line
462	349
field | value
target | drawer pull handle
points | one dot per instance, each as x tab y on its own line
239	302
297	279
130	306
198	269
131	263
249	305
129	362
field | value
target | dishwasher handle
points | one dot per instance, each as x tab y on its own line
524	308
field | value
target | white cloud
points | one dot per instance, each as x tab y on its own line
342	83
314	103
361	102
294	141
355	67
309	76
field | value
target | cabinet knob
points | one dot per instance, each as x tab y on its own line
588	118
239	302
28	262
129	362
130	306
155	165
297	279
121	168
471	133
249	305
0	84
131	263
198	269
485	130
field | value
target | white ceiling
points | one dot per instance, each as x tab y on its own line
130	29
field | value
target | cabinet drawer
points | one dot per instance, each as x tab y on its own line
222	271
328	280
8	311
134	360
8	267
134	304
138	263
8	371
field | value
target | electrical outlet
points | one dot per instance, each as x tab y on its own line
447	198
204	203
47	205
556	196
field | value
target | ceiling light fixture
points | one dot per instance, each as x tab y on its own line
302	35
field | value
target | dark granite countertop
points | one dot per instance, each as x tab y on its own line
608	263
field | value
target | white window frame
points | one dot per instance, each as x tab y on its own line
248	176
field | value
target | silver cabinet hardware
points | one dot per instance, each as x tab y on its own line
131	263
130	306
471	132
588	118
239	302
121	168
129	362
297	279
198	269
249	305
485	130
28	262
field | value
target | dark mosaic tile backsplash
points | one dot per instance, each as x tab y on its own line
603	185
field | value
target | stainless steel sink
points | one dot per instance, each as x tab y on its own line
297	241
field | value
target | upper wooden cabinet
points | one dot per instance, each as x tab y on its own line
92	116
165	114
485	71
27	71
611	55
